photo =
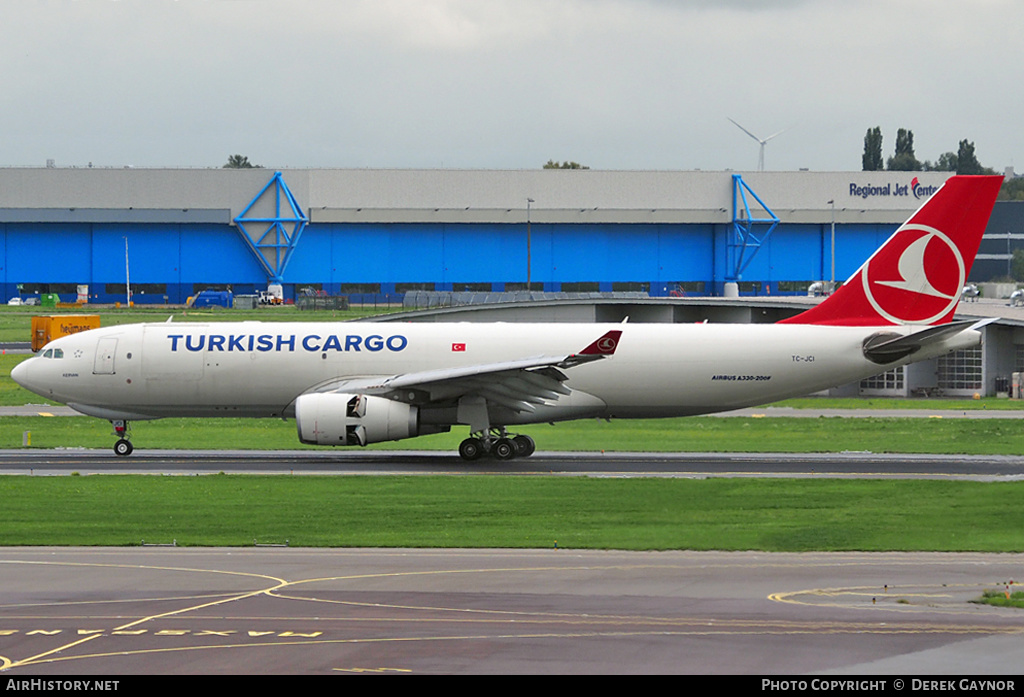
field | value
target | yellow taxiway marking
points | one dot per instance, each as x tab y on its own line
278	583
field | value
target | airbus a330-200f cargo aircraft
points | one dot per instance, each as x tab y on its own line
357	383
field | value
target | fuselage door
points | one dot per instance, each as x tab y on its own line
105	350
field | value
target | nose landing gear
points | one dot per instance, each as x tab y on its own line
123	447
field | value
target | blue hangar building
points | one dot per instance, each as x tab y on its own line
169	233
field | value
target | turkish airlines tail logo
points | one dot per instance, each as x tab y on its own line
923	285
913	277
917	275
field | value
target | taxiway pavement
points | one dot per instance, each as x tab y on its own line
302	611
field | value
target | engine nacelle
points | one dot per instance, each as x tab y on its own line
353	419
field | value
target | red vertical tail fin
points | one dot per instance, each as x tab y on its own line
916	277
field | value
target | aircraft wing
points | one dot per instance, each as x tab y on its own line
517	384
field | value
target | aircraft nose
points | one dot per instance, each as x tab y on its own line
20	373
24	375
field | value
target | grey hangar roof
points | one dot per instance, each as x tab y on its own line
453	196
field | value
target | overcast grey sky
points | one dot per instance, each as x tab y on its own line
506	84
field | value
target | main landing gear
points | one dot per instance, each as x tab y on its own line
498	443
123	447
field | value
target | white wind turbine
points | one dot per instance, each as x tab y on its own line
762	141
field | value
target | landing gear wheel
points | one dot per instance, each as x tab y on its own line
471	449
123	448
504	449
524	446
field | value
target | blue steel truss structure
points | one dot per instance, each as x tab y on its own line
271	226
747	233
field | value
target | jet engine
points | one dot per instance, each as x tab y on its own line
353	419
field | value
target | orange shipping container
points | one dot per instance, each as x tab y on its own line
46	328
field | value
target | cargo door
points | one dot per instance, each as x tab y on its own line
106	348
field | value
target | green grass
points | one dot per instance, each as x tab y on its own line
515	512
999	599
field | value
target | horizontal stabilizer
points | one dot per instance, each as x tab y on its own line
888	347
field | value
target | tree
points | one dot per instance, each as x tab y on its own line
904	160
239	162
963	161
946	163
967	161
1013	190
551	164
872	158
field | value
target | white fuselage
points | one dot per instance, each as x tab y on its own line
258	369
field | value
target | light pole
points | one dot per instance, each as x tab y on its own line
127	276
528	242
832	283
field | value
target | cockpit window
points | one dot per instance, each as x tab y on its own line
53	353
48	353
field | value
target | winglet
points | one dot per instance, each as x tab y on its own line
605	346
916	277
